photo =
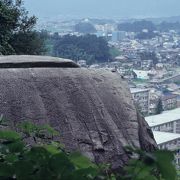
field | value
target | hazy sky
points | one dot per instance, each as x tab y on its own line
103	8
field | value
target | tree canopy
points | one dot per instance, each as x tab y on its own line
166	26
16	30
89	47
85	27
159	108
146	35
137	26
151	55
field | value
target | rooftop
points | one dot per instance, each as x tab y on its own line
163	137
142	74
165	117
168	96
136	90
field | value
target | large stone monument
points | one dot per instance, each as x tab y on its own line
92	109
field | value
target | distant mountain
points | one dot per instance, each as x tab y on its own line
152	24
172	19
156	20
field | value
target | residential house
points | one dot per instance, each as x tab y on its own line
146	64
144	75
169	101
168	121
169	141
141	99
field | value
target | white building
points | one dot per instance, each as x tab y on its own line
118	35
142	74
168	121
141	98
82	63
169	141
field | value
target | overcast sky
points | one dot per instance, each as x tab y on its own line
103	8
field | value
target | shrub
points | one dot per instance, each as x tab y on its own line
48	160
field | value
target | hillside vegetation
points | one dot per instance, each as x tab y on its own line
17	35
49	160
87	47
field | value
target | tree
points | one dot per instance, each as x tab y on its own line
159	108
146	35
30	42
88	47
114	52
137	26
16	30
146	55
166	26
85	27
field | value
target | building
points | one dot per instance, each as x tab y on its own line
146	64
118	35
169	101
166	130
140	74
141	98
82	63
153	107
169	141
178	101
168	121
154	101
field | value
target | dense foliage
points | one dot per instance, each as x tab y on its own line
84	27
87	47
16	30
47	160
146	35
166	26
137	26
159	108
114	52
148	55
41	161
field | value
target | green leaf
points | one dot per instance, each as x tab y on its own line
52	149
84	174
164	160
39	155
28	127
144	173
16	147
43	173
50	130
60	164
58	145
6	170
23	169
9	135
11	158
81	161
149	159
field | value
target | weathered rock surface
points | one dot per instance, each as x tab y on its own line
92	109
